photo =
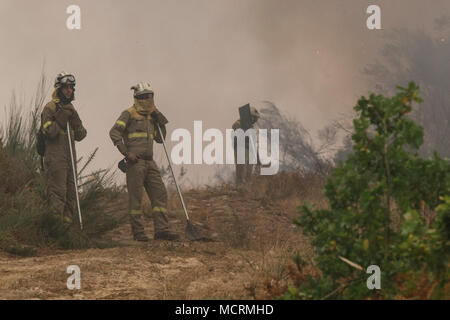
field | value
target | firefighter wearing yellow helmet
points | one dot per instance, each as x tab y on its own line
57	160
133	134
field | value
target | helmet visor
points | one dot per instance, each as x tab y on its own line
68	79
144	95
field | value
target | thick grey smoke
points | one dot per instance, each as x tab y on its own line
204	58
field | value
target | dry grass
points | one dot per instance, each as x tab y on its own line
258	255
256	220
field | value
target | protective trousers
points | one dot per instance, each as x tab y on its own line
60	185
145	174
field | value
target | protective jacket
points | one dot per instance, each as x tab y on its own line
138	131
56	142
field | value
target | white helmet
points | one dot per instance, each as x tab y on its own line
142	88
64	78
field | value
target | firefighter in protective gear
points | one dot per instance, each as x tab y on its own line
57	160
133	135
244	171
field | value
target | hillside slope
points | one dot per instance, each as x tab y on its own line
251	257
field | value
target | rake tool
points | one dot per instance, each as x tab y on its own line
193	233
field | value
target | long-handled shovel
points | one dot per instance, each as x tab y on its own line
192	232
74	176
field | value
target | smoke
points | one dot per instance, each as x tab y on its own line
422	56
204	58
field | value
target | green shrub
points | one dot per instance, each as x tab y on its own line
388	207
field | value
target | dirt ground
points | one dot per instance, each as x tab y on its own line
251	257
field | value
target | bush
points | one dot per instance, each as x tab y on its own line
388	207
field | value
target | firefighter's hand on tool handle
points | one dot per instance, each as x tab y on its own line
132	157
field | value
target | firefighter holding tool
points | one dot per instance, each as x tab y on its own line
58	120
133	134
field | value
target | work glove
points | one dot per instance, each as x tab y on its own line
131	157
159	118
122	148
68	107
62	116
75	120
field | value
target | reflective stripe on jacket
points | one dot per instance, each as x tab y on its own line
137	132
56	141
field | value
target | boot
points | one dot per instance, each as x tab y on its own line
166	235
137	228
140	237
